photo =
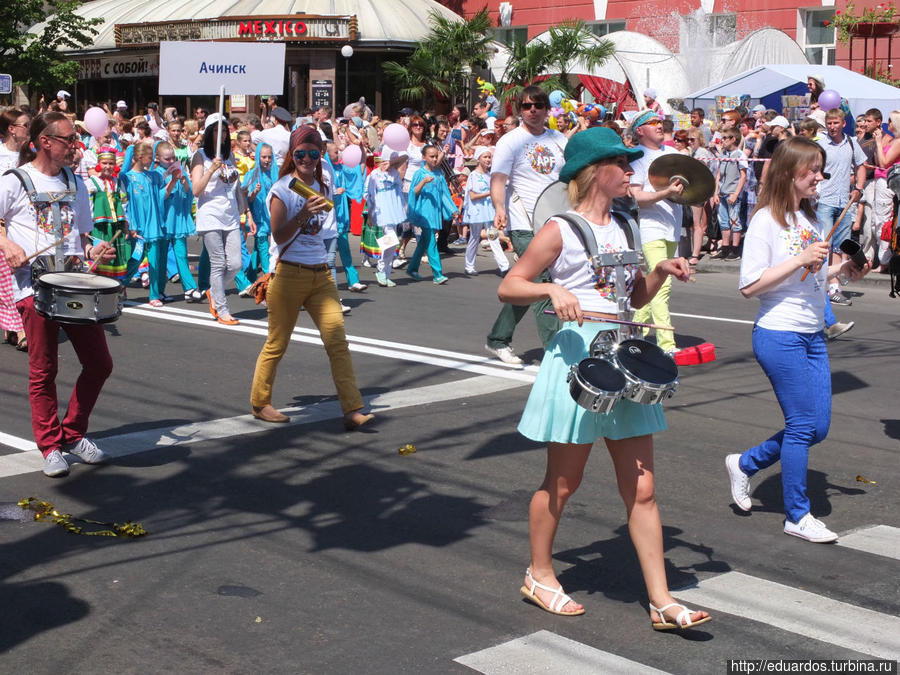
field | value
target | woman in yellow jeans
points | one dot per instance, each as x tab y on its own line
302	279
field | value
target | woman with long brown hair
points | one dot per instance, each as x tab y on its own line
783	240
302	279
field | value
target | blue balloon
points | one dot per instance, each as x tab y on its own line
556	97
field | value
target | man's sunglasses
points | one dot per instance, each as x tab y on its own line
529	106
300	155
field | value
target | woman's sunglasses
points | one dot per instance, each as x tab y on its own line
300	155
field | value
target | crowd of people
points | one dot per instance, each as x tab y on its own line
275	197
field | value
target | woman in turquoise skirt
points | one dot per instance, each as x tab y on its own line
597	171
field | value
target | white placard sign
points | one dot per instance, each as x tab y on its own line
192	68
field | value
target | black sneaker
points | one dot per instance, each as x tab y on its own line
733	255
838	298
720	254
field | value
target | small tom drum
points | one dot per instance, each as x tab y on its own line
652	375
77	297
596	385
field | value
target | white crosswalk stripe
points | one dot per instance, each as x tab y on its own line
546	652
881	540
791	609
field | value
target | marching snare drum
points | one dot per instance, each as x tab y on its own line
596	384
651	374
77	297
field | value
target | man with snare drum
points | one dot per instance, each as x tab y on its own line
60	203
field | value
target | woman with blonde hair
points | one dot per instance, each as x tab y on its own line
783	242
597	170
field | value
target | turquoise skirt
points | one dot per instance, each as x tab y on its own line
552	415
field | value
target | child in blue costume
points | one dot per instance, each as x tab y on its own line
348	184
258	181
145	190
384	194
430	204
178	199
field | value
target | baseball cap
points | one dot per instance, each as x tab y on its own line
759	108
211	119
780	121
62	93
121	104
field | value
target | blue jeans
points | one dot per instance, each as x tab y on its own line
797	366
826	214
729	214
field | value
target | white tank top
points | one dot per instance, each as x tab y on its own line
572	269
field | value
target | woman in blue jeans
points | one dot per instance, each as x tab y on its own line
784	239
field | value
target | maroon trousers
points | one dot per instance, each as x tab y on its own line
43	360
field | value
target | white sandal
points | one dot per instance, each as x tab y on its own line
560	599
682	621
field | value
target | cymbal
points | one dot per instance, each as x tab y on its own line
699	184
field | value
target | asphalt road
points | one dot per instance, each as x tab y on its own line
307	549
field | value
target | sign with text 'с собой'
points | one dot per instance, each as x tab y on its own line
195	68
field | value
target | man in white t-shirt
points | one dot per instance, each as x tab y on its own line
30	228
526	161
660	219
279	136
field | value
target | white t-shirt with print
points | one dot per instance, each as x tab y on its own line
792	305
531	163
309	247
217	205
31	226
8	158
661	220
573	271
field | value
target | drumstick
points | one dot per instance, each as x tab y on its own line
600	319
45	249
94	262
833	228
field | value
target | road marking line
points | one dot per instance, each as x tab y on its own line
18	443
878	539
229	427
546	652
798	611
454	360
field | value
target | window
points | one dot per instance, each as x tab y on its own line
603	28
815	37
510	35
717	30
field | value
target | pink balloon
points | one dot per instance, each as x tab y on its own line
396	137
829	100
96	121
351	156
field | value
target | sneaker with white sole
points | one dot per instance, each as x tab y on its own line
358	287
86	450
810	528
55	465
838	298
740	482
505	354
397	263
835	330
344	309
380	279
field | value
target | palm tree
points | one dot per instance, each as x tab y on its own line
437	69
551	58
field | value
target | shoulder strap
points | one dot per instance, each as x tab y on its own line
25	180
582	230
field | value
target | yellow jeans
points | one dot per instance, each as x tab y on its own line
292	288
657	310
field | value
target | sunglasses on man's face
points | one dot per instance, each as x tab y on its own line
300	155
529	105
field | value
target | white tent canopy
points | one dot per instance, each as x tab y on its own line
860	91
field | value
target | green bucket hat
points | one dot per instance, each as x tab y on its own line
590	146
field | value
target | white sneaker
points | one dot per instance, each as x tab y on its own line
505	354
397	263
246	293
811	529
344	309
358	287
55	465
86	450
836	330
366	263
740	483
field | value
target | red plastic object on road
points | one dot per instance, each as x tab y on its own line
693	356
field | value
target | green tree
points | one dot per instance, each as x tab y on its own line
33	58
440	66
552	58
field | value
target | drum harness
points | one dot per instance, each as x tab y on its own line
618	260
56	200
